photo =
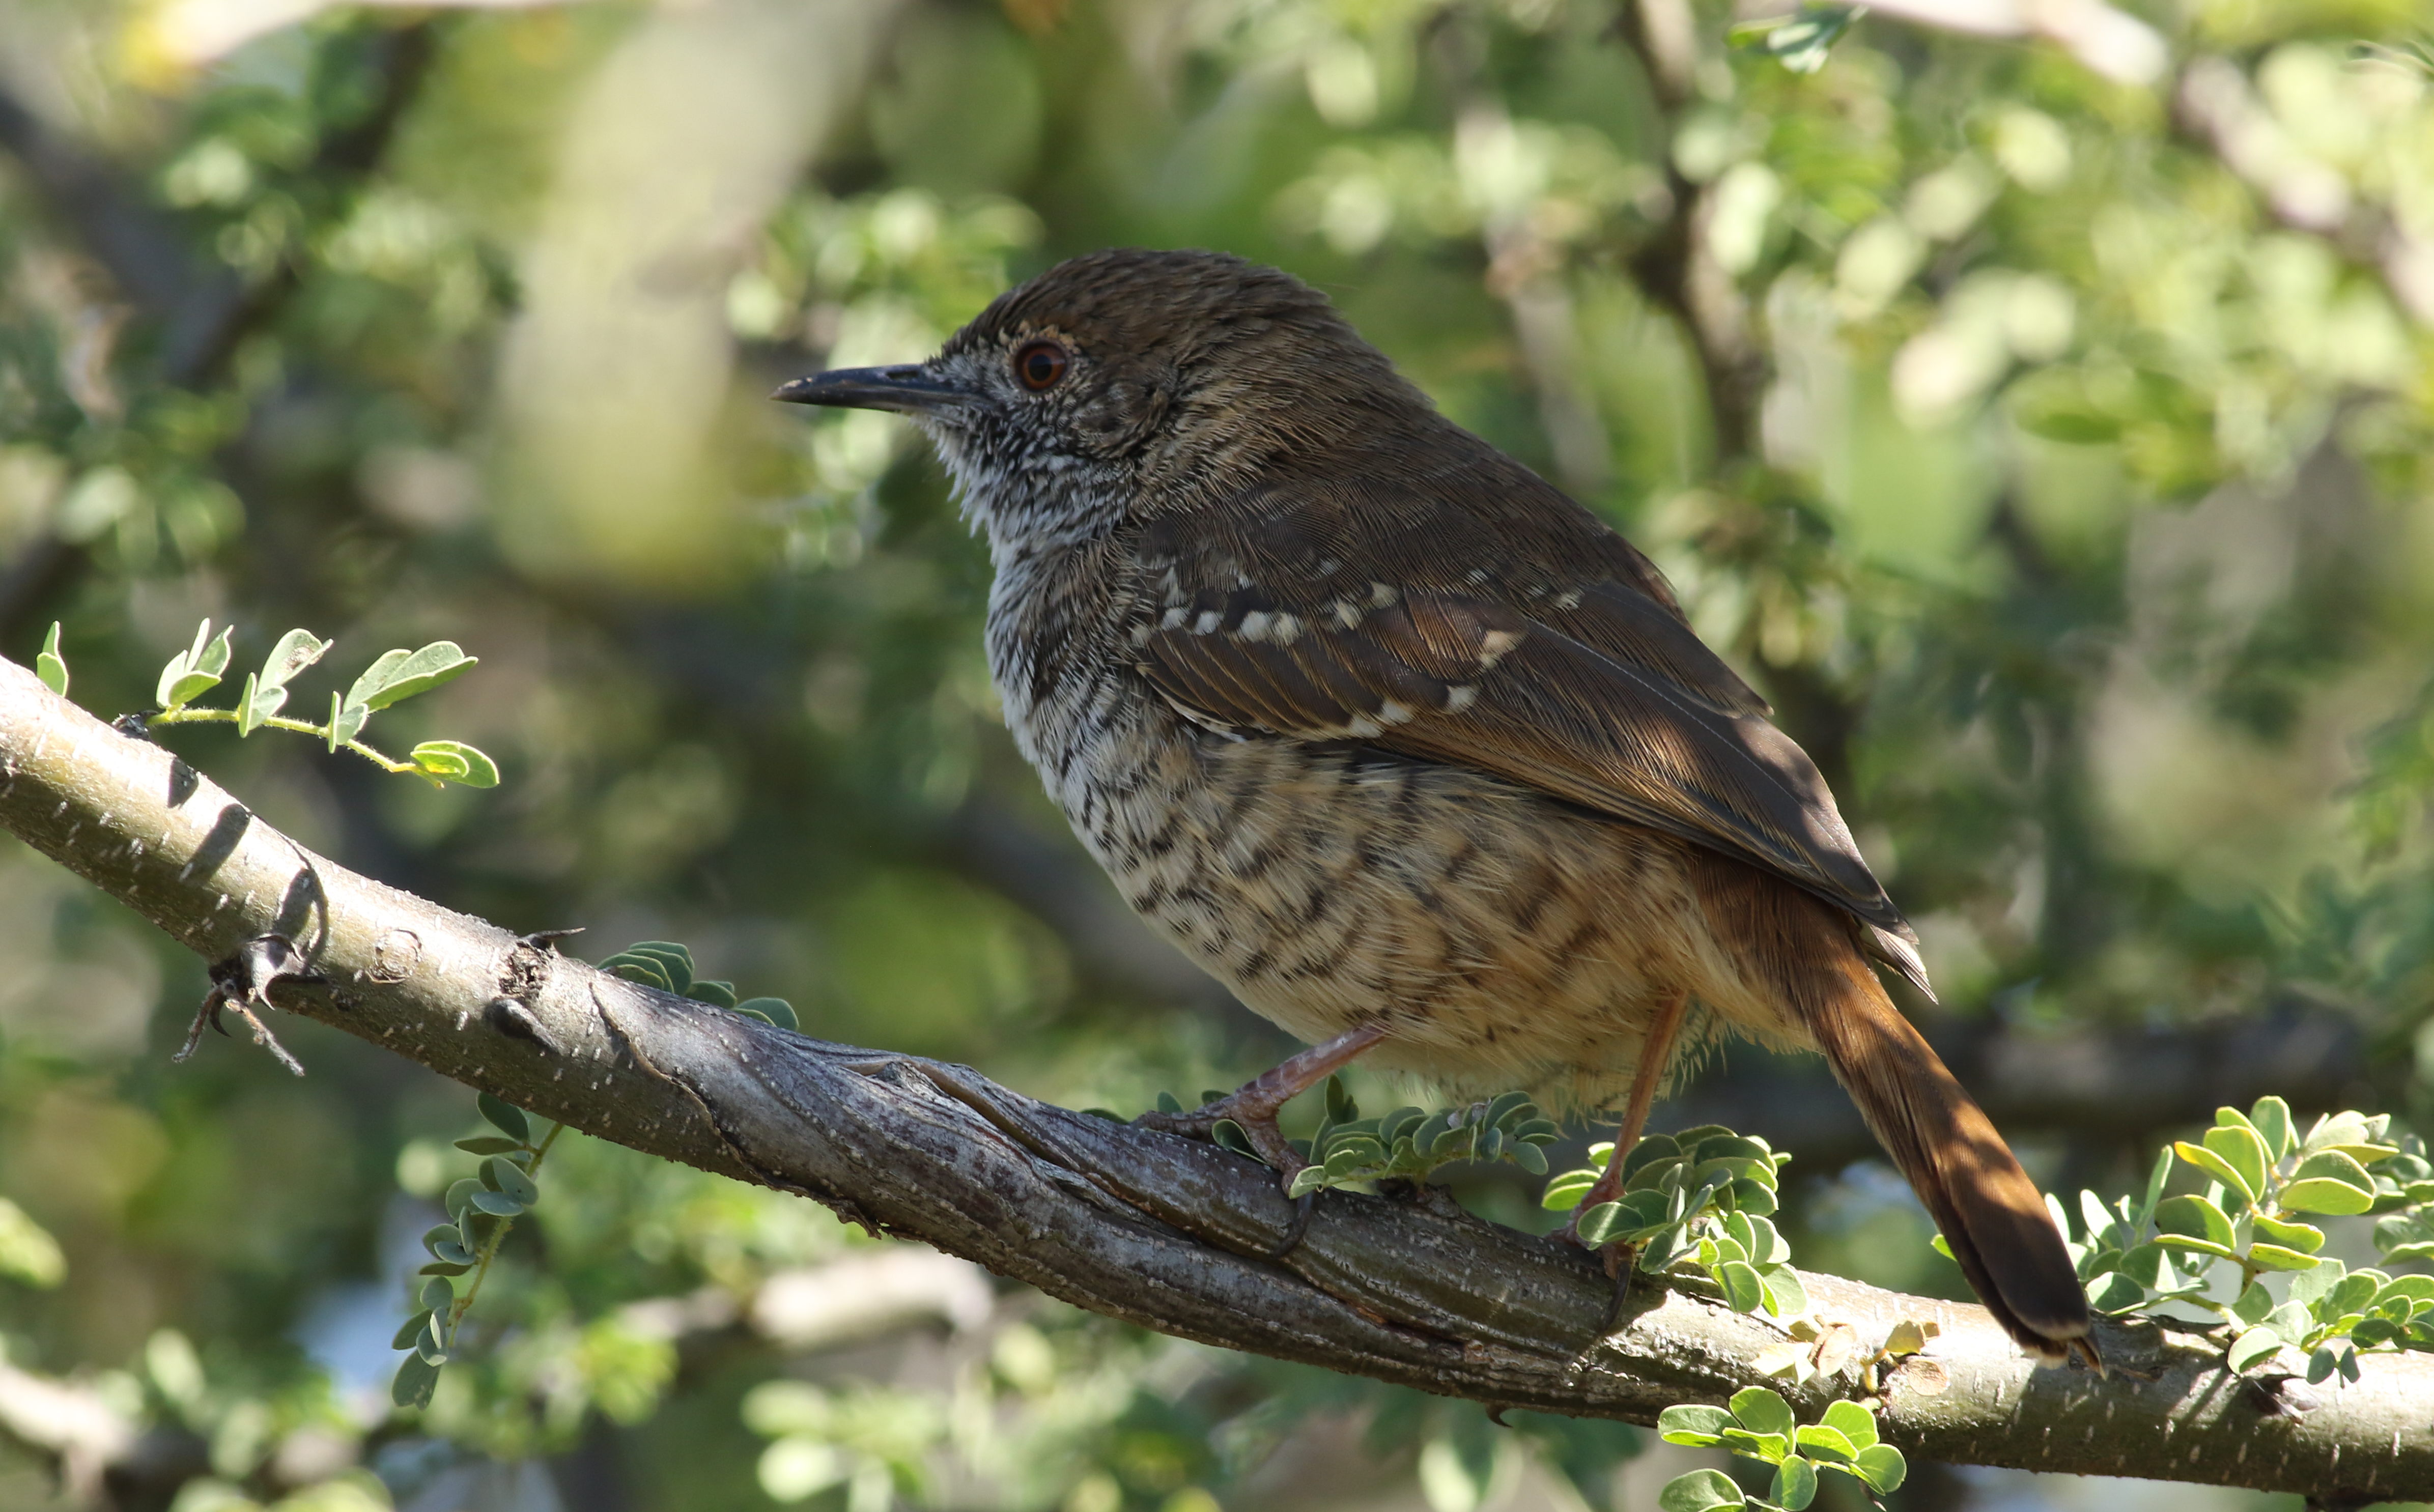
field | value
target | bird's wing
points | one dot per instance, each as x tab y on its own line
1559	667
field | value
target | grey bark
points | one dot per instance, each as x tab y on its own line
1170	1234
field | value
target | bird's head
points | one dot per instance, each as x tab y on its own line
1126	384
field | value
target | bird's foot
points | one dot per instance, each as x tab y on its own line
1254	1115
1614	1255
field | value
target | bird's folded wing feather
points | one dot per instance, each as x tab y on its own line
1587	688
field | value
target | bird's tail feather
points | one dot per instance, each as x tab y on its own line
1992	1214
1805	954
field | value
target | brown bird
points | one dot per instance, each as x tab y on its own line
1410	749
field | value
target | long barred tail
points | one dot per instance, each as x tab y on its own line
1991	1213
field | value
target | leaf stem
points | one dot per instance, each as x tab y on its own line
498	1237
190	716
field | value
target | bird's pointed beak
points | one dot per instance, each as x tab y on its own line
912	390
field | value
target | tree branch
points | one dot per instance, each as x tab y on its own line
1172	1234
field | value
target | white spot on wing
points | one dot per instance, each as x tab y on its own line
1210	620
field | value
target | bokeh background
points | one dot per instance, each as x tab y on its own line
2042	422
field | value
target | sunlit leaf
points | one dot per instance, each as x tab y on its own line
49	665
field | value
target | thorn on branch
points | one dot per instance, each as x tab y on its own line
244	979
547	939
517	1021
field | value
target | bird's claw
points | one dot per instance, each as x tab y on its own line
1257	1121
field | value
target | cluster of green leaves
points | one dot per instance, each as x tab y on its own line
1410	1144
2268	1189
481	1209
668	966
397	676
1759	1425
1694	1203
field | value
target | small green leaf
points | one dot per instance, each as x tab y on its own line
1772	1448
1762	1411
49	665
1563	1192
782	1013
1340	1108
2193	1222
1795	1485
346	721
194	671
416	1380
1745	1291
411	1331
674	959
1825	1444
2274	1257
497	1204
253	706
505	1117
1696	1426
2252	1304
2350	1294
502	1174
1228	1135
1852	1421
437	1295
648	969
295	650
1785	1296
1700	1491
2326	1195
1882	1467
2116	1293
2271	1118
487	1145
453	761
2156	1176
430	1344
1601	1223
401	675
2214	1165
717	994
1753	1196
2304	1238
2334	1163
2243	1150
445	1268
2253	1345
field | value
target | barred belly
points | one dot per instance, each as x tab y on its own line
1507	939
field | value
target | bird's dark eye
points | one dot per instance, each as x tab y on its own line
1040	365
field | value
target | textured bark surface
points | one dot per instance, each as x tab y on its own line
1176	1236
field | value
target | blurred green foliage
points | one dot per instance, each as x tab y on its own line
2072	505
